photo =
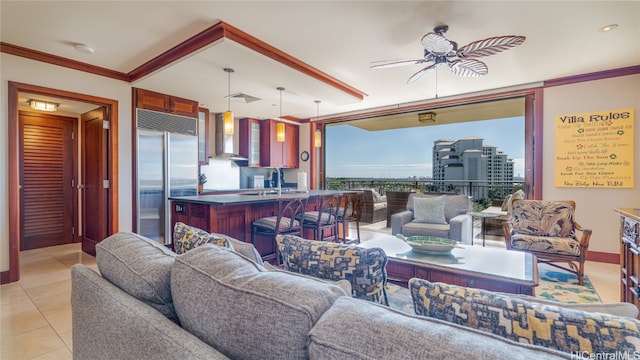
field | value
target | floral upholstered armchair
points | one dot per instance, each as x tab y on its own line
547	229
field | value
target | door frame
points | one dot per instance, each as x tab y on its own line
14	162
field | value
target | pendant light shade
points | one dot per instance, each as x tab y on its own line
280	126
317	135
280	132
228	115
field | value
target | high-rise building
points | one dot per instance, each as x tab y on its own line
469	160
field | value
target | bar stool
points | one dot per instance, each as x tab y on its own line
323	219
350	211
286	221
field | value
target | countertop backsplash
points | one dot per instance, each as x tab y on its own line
224	174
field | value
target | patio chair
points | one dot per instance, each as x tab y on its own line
547	229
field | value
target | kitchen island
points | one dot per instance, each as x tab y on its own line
233	214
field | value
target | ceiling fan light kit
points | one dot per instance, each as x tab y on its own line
438	50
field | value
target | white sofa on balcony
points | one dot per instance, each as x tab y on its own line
437	215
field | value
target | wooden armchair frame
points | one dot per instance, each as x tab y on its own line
575	264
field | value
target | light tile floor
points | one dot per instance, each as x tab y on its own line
36	311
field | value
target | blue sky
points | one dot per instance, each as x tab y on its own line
401	153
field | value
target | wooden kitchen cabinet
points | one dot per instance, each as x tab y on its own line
250	140
151	100
279	154
203	136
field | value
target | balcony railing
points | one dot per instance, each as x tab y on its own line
483	193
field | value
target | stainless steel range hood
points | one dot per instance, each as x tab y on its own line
224	143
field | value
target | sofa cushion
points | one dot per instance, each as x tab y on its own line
139	266
612	308
245	249
364	268
456	205
342	284
187	237
419	229
429	210
532	323
354	329
243	310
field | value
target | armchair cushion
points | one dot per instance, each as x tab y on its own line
429	210
543	218
548	244
525	322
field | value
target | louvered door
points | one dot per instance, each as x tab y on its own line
46	173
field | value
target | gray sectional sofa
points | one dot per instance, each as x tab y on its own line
216	303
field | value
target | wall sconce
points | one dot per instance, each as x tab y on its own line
427	117
280	126
228	115
317	135
280	132
43	105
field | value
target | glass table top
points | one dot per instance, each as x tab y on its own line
497	262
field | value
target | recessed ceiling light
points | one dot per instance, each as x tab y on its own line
85	49
608	27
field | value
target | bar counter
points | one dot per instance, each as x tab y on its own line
233	214
252	198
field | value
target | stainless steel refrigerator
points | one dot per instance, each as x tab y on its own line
166	165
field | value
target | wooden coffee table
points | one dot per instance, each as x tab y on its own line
493	269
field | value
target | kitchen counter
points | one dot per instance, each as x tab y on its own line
250	198
243	191
233	214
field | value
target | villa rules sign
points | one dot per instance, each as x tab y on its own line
595	150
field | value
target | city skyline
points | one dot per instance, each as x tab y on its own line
356	153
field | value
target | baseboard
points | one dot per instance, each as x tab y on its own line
4	277
609	258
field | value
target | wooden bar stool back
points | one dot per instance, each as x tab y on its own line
349	211
323	220
285	221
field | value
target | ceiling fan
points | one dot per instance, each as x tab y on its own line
438	50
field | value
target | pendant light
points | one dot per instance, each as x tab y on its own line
317	135
280	125
228	115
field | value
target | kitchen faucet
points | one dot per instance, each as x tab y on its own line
279	181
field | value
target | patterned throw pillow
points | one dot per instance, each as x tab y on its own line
542	218
429	210
525	322
187	237
364	268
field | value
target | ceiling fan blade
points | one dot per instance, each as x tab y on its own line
417	76
490	46
468	68
436	44
394	63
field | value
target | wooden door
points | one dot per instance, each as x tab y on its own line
95	179
47	178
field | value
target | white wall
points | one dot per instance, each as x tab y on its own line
26	71
594	207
